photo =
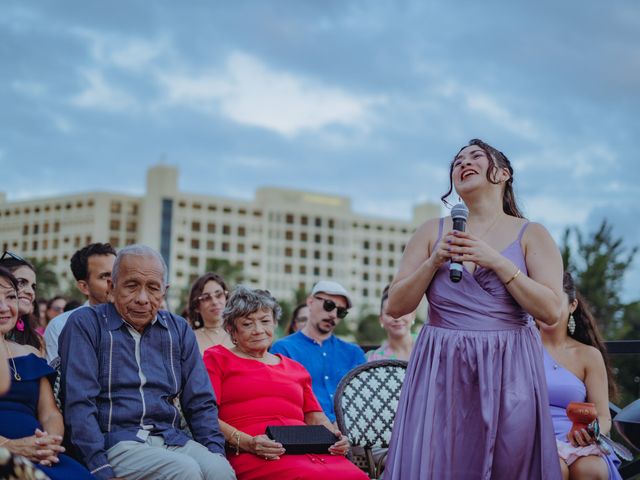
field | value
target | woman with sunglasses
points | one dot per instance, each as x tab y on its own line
24	331
207	298
474	401
30	423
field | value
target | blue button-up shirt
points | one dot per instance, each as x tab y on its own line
119	385
327	363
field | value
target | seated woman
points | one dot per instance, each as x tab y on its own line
577	370
24	331
298	320
30	422
207	298
399	342
255	389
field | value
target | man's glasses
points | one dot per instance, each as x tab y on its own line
207	297
330	306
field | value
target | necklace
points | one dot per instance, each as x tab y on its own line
13	368
215	330
493	223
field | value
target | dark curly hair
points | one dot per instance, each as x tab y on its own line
587	328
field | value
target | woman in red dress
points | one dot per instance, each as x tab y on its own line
255	389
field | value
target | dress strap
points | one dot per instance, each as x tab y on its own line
524	227
440	227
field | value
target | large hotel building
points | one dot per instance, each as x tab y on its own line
283	239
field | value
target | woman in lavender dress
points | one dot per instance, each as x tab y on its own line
577	370
474	401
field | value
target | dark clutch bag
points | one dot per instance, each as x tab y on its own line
299	439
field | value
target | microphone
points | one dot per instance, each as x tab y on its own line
459	215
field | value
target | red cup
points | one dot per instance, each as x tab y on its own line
581	414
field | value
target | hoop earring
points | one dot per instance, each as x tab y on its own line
571	326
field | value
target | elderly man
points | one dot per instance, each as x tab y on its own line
124	366
326	357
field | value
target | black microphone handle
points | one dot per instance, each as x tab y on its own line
455	268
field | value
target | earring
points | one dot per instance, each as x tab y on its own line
571	326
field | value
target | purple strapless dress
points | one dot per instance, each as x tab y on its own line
474	402
564	387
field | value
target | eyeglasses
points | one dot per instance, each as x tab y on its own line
8	254
330	306
207	297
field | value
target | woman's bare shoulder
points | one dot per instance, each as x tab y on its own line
19	350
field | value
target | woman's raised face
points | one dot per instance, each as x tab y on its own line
469	168
8	306
26	288
254	332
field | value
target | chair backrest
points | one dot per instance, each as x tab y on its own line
366	402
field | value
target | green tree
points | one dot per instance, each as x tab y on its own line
233	273
369	331
599	264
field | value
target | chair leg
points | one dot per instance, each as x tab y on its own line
370	462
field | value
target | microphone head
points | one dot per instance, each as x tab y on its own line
459	210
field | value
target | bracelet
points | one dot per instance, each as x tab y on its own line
515	275
236	434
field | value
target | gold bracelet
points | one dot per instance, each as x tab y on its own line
515	275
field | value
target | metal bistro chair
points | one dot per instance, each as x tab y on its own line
365	403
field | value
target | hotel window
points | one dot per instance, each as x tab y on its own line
211	228
195	226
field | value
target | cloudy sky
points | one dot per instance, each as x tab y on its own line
368	99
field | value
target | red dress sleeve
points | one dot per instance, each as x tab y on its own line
309	400
212	361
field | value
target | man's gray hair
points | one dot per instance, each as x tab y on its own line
138	250
244	301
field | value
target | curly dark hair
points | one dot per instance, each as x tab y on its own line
587	328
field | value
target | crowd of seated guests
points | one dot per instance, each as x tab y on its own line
148	394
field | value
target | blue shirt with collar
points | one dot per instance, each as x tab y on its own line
118	385
327	363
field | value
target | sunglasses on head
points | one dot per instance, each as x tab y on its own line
330	306
8	254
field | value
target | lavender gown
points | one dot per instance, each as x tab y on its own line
564	387
474	402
